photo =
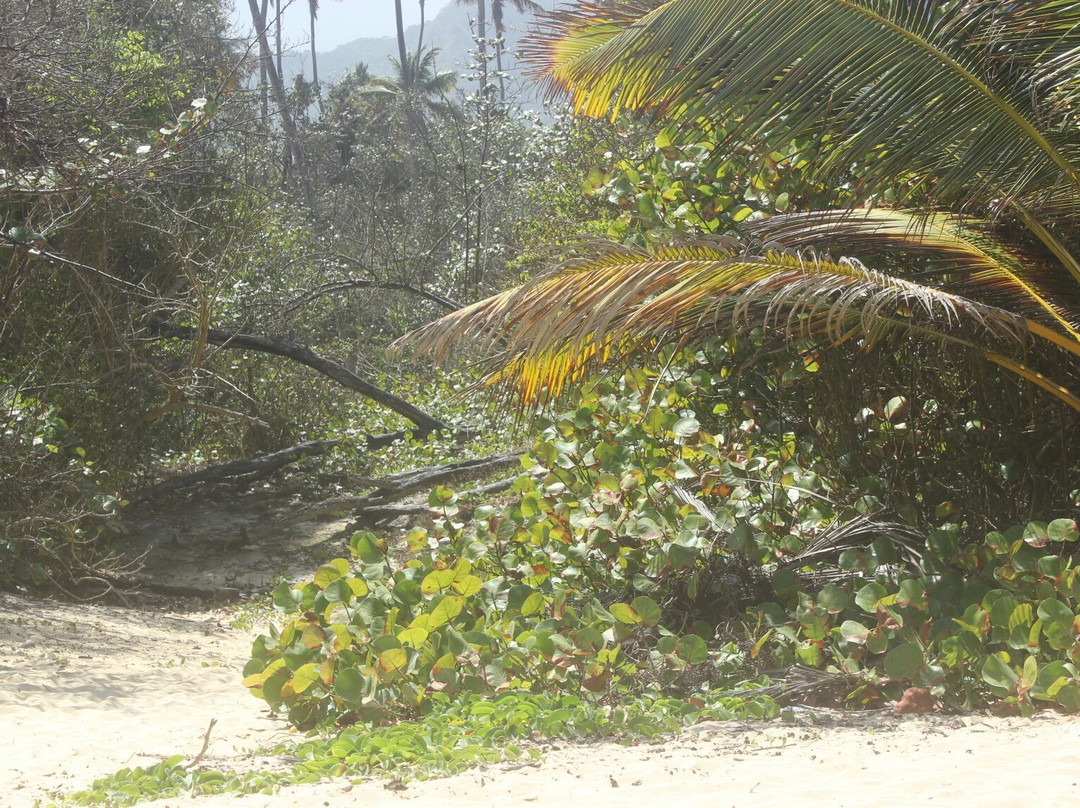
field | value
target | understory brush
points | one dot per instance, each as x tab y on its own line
657	546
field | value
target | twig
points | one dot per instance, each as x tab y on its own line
205	745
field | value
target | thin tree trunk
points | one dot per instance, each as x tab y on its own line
499	70
500	34
420	38
287	123
481	35
264	89
277	35
313	6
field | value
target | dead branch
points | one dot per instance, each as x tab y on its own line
356	283
238	468
398	486
376	514
305	356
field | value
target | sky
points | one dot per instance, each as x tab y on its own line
341	21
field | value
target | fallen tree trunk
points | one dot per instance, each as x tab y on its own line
376	514
238	468
398	486
305	356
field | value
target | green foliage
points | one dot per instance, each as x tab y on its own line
455	735
504	608
74	514
693	181
995	621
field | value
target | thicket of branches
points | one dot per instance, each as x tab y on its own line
155	203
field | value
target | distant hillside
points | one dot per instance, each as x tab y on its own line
448	31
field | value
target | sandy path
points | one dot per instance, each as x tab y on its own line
87	690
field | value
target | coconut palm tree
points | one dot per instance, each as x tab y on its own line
966	110
313	13
418	85
497	19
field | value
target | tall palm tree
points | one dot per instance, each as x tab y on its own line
969	105
400	26
500	33
313	13
417	84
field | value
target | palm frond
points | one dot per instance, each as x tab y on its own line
966	255
550	332
901	95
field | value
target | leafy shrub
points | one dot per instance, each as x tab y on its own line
993	621
468	615
608	573
556	592
56	513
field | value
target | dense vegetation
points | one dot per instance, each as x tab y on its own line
822	348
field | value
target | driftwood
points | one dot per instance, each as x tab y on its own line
400	485
252	468
305	356
376	514
375	506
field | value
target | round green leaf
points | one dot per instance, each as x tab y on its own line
686	427
625	613
533	605
833	599
647	610
868	597
445	609
305	677
351	686
394	661
437	581
999	676
1063	530
467	586
692	649
854	632
904	661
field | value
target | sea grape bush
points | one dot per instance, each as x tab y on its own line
379	641
995	621
598	579
559	591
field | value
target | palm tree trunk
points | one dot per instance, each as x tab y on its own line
264	93
402	52
499	70
500	33
420	39
313	10
481	35
277	35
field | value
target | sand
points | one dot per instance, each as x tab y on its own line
86	690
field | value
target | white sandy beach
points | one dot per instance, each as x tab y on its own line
87	690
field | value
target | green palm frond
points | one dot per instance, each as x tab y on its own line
898	92
967	257
550	332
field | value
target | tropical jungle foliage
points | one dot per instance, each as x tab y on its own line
816	307
774	144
